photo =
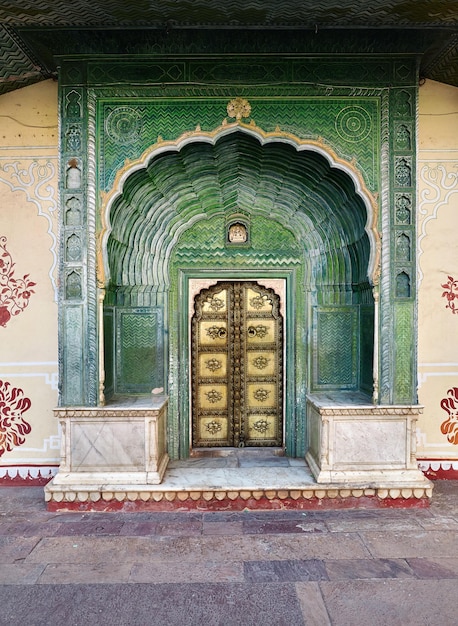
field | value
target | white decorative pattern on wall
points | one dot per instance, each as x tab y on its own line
439	180
37	178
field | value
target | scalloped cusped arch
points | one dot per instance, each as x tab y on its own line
299	188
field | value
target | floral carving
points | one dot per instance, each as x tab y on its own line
261	426
259	301
450	405
213	427
216	332
214	396
260	362
261	394
451	294
214	364
215	303
257	331
238	108
13	426
14	292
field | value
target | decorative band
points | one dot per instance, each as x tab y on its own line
439	469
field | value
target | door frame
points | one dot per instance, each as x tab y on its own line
283	281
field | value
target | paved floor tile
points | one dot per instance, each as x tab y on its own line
314	611
14	548
284	571
434	568
352	569
222	528
87	528
433	543
115	550
353	524
138	529
285	546
391	602
20	574
228	604
183	528
439	523
282	526
187	572
85	573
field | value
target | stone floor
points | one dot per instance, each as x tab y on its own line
341	568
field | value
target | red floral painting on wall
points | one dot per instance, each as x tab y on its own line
451	294
14	292
450	406
13	426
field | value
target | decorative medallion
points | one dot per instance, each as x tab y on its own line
13	426
14	292
215	303
257	331
451	294
450	406
214	364
261	426
238	108
261	394
213	427
260	362
123	125
217	332
259	301
214	396
353	124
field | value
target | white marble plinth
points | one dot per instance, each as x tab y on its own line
122	443
353	443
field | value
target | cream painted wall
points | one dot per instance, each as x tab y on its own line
437	176
28	222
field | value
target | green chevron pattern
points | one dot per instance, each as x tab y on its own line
234	12
348	125
16	67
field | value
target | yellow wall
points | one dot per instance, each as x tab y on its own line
28	222
437	177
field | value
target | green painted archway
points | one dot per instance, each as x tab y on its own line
310	224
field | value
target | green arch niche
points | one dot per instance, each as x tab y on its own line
307	225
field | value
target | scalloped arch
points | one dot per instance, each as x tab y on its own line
303	185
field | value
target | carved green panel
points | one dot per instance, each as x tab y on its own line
109	347
335	348
366	365
72	372
139	350
404	352
348	124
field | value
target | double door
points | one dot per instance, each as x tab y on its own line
237	366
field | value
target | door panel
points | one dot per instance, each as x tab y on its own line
237	366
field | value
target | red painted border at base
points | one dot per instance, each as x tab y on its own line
26	481
445	471
239	504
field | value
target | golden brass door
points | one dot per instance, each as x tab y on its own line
237	366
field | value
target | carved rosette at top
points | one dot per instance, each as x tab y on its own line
239	108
